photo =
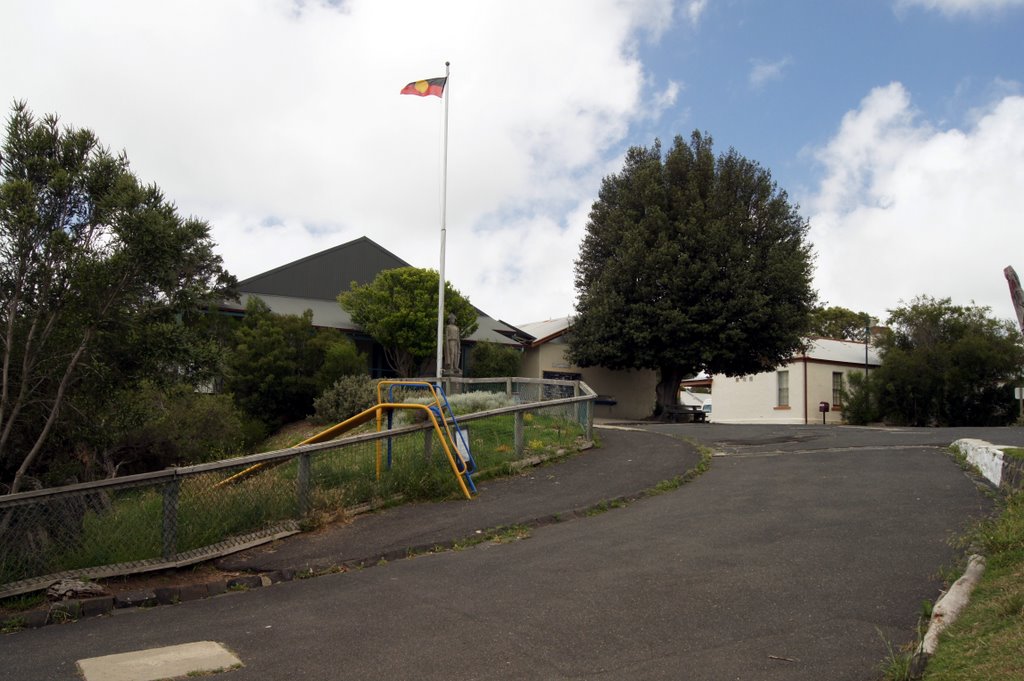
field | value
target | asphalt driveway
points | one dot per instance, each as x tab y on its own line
791	558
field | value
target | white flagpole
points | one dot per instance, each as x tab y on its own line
444	207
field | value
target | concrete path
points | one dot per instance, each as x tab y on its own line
784	561
627	463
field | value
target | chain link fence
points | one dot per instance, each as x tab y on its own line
182	516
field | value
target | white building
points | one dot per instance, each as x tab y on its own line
792	392
622	394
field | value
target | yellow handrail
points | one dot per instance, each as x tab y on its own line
361	418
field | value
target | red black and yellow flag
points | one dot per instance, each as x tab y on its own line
422	88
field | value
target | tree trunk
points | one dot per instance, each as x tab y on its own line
58	402
668	387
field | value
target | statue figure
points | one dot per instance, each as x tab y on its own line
452	344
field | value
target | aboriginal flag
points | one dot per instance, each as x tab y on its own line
431	86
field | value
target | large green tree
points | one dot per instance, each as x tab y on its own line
399	309
99	276
943	364
691	262
840	323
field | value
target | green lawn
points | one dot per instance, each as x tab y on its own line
1014	453
987	642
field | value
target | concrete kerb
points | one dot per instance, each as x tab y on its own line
61	612
984	456
1003	472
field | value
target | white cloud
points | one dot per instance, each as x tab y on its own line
906	208
694	10
654	16
952	7
280	122
663	100
763	71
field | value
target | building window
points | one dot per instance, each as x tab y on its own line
837	388
557	392
783	381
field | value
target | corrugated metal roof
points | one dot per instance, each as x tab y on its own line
314	282
489	329
548	328
850	352
822	349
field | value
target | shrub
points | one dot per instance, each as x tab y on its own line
860	400
473	402
487	360
347	397
462	403
153	427
341	358
279	363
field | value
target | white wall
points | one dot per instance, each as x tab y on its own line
753	399
819	389
633	391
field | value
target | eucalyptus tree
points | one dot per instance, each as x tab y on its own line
98	275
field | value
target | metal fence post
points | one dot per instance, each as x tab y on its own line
519	433
590	420
302	484
170	518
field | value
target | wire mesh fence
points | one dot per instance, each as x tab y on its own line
182	516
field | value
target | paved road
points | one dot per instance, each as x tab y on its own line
789	559
737	438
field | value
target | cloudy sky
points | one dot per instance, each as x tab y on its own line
897	125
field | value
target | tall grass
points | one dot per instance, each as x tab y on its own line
130	527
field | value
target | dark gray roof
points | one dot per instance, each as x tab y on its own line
323	275
308	283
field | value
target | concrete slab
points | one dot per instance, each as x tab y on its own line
159	663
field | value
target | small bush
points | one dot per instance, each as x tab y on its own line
462	403
473	402
347	397
487	360
341	358
860	400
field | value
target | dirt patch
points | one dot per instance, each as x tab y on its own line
198	574
203	573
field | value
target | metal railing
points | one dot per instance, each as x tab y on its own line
181	516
